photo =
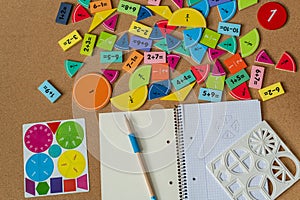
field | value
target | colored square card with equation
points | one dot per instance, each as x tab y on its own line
55	158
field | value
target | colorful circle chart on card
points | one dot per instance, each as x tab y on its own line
55	158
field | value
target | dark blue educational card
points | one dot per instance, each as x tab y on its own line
64	13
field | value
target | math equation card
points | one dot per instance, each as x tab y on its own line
55	158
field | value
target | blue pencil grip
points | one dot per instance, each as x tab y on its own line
134	143
153	198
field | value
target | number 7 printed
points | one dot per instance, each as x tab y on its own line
272	15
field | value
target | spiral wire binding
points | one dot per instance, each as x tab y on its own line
181	164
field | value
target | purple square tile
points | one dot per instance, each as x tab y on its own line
30	186
213	3
56	185
139	43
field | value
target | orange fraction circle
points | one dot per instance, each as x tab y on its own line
92	91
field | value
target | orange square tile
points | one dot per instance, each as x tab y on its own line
133	61
97	6
160	71
235	63
69	185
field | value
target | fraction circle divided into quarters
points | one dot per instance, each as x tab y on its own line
272	15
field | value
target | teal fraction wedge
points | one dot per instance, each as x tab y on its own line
72	67
229	45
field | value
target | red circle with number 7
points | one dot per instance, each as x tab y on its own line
272	15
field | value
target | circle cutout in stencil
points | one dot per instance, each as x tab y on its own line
238	161
260	187
283	169
261	165
262	142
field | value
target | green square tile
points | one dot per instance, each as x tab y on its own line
215	82
237	79
210	38
106	41
242	4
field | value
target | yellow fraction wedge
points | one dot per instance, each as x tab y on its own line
179	95
99	17
163	11
187	17
131	100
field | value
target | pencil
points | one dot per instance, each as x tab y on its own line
137	150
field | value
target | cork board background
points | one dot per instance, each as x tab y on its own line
30	54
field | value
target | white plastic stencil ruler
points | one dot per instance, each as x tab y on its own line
258	166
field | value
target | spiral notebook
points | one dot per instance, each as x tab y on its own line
176	144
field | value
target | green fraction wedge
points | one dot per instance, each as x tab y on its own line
249	43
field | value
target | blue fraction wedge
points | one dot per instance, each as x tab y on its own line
191	36
144	13
159	89
197	52
156	33
203	7
227	10
172	42
123	42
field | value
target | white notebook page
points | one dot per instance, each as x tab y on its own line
209	129
121	176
